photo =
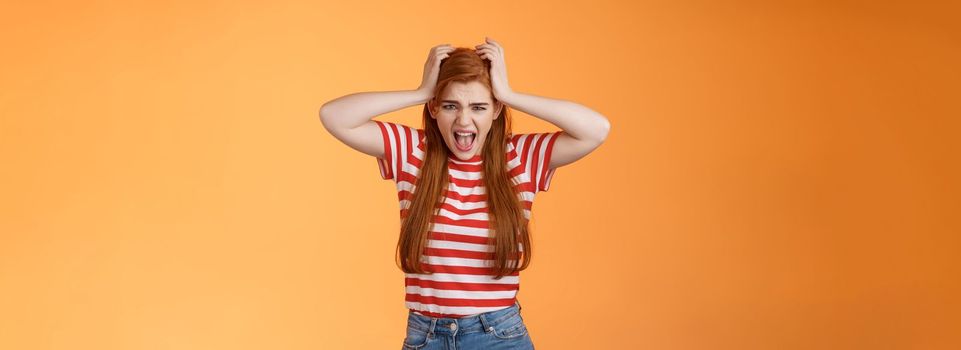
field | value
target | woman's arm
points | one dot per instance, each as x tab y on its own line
584	129
351	111
349	118
577	121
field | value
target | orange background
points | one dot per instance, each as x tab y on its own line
776	177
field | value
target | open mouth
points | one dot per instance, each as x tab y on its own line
465	140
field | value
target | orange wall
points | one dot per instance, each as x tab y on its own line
777	176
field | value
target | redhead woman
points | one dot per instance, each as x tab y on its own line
466	185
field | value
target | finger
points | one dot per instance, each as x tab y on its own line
497	47
492	48
440	48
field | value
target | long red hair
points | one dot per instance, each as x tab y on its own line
507	222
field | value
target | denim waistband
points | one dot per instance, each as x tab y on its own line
476	323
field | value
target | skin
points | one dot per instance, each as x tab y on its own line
465	106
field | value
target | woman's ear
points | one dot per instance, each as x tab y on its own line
498	106
430	108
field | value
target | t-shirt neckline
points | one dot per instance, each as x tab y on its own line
476	158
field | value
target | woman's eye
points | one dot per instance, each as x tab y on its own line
455	107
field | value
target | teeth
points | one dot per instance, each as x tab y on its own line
464	139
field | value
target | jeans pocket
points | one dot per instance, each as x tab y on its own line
415	338
510	328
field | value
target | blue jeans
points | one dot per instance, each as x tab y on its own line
501	329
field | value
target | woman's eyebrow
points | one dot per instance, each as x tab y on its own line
472	104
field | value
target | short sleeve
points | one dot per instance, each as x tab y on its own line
535	152
399	142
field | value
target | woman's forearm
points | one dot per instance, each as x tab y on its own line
351	111
578	121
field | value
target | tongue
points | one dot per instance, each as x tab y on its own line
465	141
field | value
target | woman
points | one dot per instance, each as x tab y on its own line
466	186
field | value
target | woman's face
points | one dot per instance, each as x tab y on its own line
465	108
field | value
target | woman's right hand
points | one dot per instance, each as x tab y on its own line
432	68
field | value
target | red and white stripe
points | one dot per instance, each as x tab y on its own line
458	251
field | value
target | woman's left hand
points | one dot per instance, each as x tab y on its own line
494	53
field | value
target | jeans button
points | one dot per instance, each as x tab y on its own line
453	326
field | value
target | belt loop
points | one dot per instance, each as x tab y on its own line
485	323
433	323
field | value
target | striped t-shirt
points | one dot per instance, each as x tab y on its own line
459	252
